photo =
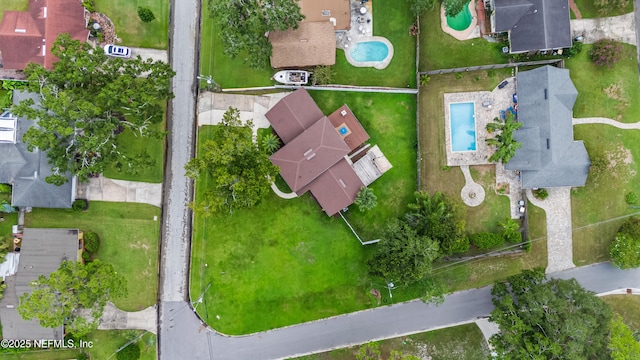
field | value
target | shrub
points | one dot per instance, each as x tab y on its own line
5	188
625	251
86	256
541	194
82	356
323	75
90	5
80	205
131	352
270	143
575	49
631	198
145	14
513	237
486	240
605	52
91	241
366	199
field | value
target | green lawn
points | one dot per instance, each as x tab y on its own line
463	342
105	344
606	92
435	176
391	20
588	9
129	27
442	51
13	5
128	240
390	121
628	306
131	144
9	220
294	263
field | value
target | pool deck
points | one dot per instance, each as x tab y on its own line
472	32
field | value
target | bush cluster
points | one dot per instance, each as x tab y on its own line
605	52
486	240
145	14
91	241
80	205
5	188
541	194
631	198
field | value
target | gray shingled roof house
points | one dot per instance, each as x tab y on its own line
532	24
42	252
26	170
549	157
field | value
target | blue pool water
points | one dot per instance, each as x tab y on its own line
343	130
463	126
369	51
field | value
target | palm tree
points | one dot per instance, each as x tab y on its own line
504	142
366	199
270	143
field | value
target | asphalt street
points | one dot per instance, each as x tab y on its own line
193	340
176	217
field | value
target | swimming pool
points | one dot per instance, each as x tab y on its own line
369	51
463	126
462	20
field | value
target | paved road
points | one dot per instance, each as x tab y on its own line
176	221
196	342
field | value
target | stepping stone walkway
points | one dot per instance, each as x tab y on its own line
472	193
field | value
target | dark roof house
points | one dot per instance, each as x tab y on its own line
26	171
28	36
316	152
549	157
532	24
42	252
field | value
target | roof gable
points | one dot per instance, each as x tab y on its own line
312	43
549	155
293	114
310	154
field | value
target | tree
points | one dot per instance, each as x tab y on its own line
84	99
454	7
436	218
145	14
511	230
605	52
244	24
75	295
504	142
622	344
403	256
366	199
554	319
625	248
238	171
270	143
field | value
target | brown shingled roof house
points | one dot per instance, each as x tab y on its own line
318	151
314	41
28	36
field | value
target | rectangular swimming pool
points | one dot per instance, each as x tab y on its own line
462	122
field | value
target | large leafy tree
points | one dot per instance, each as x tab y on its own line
84	100
554	319
504	142
435	217
244	25
622	344
402	255
75	294
625	248
239	171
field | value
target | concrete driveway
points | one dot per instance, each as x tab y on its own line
154	54
105	189
621	28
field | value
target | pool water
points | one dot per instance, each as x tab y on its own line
463	126
369	51
343	130
462	20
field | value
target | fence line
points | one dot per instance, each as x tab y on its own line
355	233
492	66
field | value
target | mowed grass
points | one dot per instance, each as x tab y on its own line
604	92
442	51
128	240
129	27
13	5
463	342
391	20
628	306
285	261
589	10
133	145
436	176
389	119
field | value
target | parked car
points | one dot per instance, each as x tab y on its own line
521	207
503	84
117	51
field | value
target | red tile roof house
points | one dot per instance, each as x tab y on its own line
28	36
318	151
